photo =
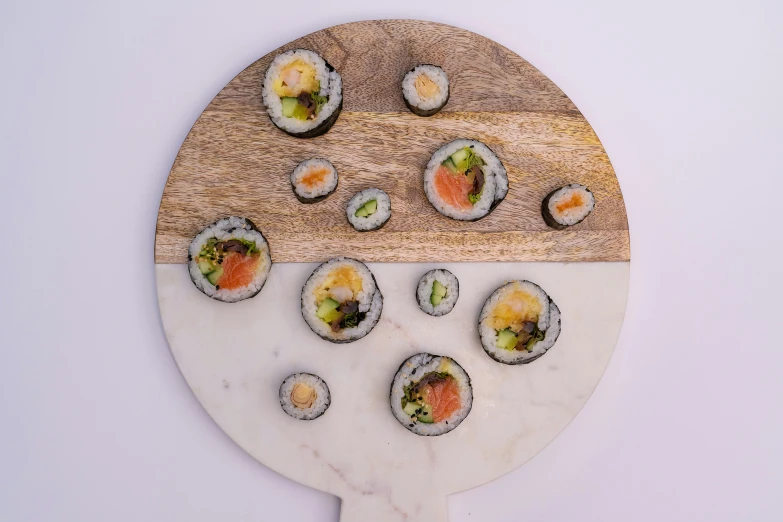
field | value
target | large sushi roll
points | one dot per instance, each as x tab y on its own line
304	396
518	323
437	292
431	394
425	89
313	180
567	206
341	301
368	210
302	93
465	180
229	260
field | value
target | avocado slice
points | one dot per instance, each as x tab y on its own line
327	310
213	277
438	293
361	212
205	266
425	415
410	408
507	339
371	206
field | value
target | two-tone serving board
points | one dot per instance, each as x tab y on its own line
234	356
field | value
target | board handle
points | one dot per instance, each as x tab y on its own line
382	508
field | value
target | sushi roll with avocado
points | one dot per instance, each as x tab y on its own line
437	292
304	396
518	323
431	394
341	302
465	180
229	260
425	89
567	206
368	210
313	180
302	93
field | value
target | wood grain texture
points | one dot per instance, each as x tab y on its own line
235	162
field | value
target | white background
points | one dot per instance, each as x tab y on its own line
96	423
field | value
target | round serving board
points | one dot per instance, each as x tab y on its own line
234	356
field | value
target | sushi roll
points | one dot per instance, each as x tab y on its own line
425	89
341	302
313	180
229	260
368	210
431	394
465	180
437	292
304	396
518	323
302	93
567	206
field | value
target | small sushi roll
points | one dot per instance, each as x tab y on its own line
425	89
437	292
341	301
368	210
465	180
302	93
304	396
567	206
431	394
229	260
313	180
518	323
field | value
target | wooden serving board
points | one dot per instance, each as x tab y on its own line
235	161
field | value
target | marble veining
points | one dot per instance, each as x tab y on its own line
234	357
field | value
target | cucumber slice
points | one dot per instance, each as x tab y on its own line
507	339
425	415
410	408
205	266
371	206
450	165
289	106
361	212
213	277
327	309
460	159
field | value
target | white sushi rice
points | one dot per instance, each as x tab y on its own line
424	292
301	170
322	396
571	216
548	322
437	75
376	220
495	182
411	372
369	298
224	229
331	86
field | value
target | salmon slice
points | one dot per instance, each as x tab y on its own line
443	396
453	188
238	270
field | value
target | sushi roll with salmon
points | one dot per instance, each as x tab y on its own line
437	292
465	180
368	210
304	396
229	260
425	89
341	301
313	180
302	93
431	394
518	323
567	206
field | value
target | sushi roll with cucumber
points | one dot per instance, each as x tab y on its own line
567	206
341	301
518	323
313	180
437	292
368	210
425	89
302	93
229	260
304	396
431	394
465	180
